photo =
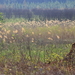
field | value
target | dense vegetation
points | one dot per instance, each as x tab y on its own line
35	47
39	11
44	4
40	14
21	1
34	41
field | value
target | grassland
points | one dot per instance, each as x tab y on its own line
35	47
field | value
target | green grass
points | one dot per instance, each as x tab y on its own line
40	53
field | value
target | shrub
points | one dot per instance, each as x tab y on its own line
1	18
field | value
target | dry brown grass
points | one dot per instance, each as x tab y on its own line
49	30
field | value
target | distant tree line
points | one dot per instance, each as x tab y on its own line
35	1
43	4
40	14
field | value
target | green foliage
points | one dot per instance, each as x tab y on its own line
1	17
